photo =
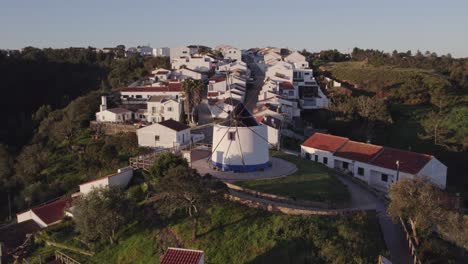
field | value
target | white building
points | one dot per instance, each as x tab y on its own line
185	73
220	108
145	50
46	215
232	54
240	142
376	165
166	134
119	179
131	94
161	74
201	63
298	60
180	51
273	125
114	115
160	108
162	52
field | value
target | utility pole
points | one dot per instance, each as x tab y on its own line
398	170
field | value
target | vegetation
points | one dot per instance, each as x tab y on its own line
428	209
311	181
425	96
193	90
101	214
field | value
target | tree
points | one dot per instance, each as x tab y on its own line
100	214
193	90
435	127
161	166
418	201
186	190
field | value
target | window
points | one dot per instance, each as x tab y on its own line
316	158
232	136
360	171
210	87
306	73
291	93
307	156
384	177
169	109
325	160
138	96
184	52
345	165
153	109
156	138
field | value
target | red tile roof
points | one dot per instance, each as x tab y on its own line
213	93
52	212
162	72
410	162
181	256
358	151
286	86
325	142
171	87
218	79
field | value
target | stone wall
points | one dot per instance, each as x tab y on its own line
111	128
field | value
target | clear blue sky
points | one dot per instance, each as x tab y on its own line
440	26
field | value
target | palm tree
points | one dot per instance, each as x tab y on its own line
193	90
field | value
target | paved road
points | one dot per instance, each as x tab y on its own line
393	233
251	97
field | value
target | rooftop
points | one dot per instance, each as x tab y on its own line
358	151
181	256
52	212
325	142
170	87
174	125
410	162
118	110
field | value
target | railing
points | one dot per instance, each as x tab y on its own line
411	244
63	258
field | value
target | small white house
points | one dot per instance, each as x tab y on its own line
173	89
180	51
160	108
184	73
46	215
119	179
202	63
298	60
232	54
166	134
273	129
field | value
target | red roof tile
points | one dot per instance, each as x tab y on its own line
181	256
410	162
171	87
52	212
358	151
325	142
286	86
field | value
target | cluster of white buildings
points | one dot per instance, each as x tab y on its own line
289	83
378	166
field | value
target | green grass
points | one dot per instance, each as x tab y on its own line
362	74
231	233
312	181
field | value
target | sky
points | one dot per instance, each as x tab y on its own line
439	26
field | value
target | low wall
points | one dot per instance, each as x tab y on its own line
278	198
270	207
111	128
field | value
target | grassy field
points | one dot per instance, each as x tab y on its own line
363	75
311	181
230	233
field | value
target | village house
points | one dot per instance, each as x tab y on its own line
180	51
185	73
160	74
160	108
142	94
120	179
376	165
162	52
298	60
183	256
113	115
46	215
221	108
166	134
201	63
273	129
232	54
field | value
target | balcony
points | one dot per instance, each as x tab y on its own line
308	103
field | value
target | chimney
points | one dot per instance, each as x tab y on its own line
103	103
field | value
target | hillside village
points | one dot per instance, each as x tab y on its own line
232	114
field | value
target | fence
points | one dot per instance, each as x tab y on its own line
411	244
61	257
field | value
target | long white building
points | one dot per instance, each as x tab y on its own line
376	165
